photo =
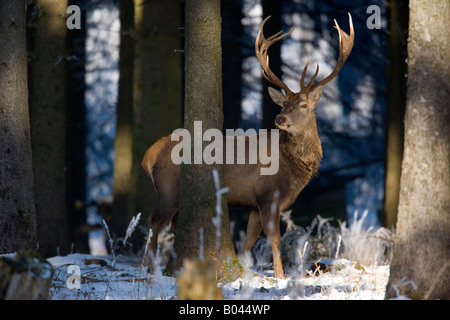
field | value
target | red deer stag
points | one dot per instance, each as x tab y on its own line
299	153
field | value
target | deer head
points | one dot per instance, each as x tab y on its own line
298	107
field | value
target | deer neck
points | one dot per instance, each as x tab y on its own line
303	151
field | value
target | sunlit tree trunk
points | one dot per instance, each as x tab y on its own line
123	145
203	102
157	98
395	106
421	260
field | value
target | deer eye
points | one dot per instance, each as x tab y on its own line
303	105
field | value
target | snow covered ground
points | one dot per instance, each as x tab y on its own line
360	270
100	278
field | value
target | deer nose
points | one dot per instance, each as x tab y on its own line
280	119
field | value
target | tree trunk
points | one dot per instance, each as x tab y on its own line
17	211
76	134
395	107
157	90
422	251
48	116
203	102
124	129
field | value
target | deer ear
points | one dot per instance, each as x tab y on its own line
277	96
315	95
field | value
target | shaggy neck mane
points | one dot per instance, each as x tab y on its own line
302	150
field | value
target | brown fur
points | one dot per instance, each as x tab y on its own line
151	155
300	153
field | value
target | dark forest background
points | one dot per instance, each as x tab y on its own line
80	106
122	77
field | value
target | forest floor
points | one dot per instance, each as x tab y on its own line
332	263
102	279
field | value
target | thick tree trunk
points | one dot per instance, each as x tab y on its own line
17	211
124	129
395	109
421	260
157	90
203	102
48	117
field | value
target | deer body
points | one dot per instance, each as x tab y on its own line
298	161
247	185
299	154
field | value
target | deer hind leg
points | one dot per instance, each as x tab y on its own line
254	228
162	214
271	224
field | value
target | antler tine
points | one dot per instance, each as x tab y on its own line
274	38
261	47
308	87
345	47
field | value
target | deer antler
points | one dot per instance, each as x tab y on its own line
345	47
261	46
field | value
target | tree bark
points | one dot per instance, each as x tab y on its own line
48	118
395	107
421	259
203	102
17	210
124	126
157	90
